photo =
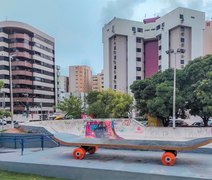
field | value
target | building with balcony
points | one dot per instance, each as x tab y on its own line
33	68
135	50
79	79
98	82
63	88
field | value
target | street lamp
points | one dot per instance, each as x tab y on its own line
171	51
11	90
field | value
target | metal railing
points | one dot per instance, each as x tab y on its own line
22	140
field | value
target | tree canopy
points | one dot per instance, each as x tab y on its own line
4	113
109	103
154	95
71	105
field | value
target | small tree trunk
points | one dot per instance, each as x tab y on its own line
205	120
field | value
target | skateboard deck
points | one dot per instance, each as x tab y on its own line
170	147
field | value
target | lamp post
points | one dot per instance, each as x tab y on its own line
171	51
27	104
11	90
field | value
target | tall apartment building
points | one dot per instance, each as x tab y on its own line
79	79
33	67
136	50
98	82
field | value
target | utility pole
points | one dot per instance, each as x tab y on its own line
11	91
170	51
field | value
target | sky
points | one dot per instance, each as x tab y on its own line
77	25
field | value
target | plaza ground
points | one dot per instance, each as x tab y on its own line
105	164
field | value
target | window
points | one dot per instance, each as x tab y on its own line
138	77
134	29
159	47
138	49
115	77
182	40
138	40
138	68
182	28
139	30
157	27
114	48
159	57
114	67
159	37
159	67
181	17
138	59
114	86
181	61
192	17
207	23
114	57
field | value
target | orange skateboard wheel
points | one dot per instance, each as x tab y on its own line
79	153
168	159
92	149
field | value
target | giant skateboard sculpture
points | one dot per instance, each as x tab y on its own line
100	139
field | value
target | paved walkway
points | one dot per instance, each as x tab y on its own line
106	164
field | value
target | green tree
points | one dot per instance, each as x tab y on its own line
197	80
4	113
71	105
109	103
193	91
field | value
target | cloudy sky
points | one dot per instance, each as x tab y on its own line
76	25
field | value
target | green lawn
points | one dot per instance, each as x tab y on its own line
6	175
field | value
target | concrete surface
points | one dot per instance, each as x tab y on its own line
107	164
128	129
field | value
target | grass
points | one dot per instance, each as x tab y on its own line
6	175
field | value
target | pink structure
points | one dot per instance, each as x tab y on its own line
151	58
150	20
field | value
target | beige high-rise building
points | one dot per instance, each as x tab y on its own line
79	79
135	50
98	82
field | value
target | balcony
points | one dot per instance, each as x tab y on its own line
19	35
22	72
21	63
22	54
20	45
22	90
22	99
22	81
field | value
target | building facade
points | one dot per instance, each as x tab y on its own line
63	88
207	45
79	79
135	50
98	82
31	53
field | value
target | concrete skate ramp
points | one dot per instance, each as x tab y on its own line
127	129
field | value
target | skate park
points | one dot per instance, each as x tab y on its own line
110	163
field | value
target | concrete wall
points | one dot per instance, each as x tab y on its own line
128	129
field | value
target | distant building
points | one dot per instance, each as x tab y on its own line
63	88
32	54
79	79
98	82
135	50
